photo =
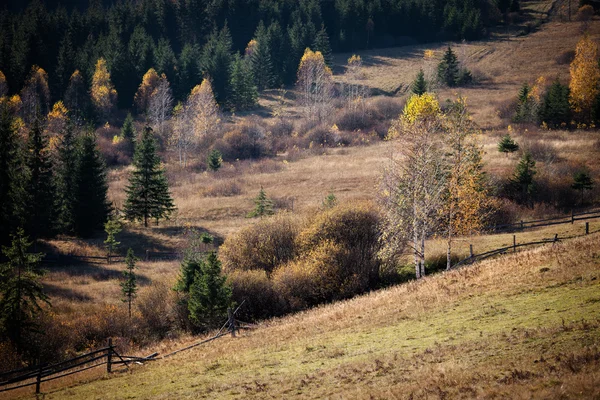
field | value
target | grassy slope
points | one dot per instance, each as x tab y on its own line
517	327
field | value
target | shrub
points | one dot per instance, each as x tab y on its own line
156	310
264	245
353	120
585	13
226	188
261	299
355	229
321	135
248	140
388	107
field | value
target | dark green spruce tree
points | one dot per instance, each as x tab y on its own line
260	60
21	291
91	204
12	177
243	93
523	182
66	181
507	145
41	190
448	68
128	129
148	192
262	205
555	109
209	294
419	86
321	44
216	62
129	283
215	160
582	181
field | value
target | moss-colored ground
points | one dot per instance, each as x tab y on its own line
521	326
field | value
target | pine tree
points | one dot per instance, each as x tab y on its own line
215	160
260	60
40	186
21	291
209	295
507	145
91	205
129	285
241	85
523	181
66	182
263	205
525	105
419	86
148	192
582	181
12	176
555	110
216	62
321	44
128	130
112	227
448	68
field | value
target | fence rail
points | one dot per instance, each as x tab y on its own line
38	374
538	223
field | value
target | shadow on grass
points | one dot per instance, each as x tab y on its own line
54	291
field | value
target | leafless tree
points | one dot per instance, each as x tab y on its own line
161	104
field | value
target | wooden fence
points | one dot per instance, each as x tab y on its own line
38	374
566	219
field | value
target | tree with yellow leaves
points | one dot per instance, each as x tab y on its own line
77	98
315	83
56	123
3	85
103	93
355	93
150	81
585	77
466	199
417	108
35	95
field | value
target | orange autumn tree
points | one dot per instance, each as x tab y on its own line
35	95
150	81
103	93
585	77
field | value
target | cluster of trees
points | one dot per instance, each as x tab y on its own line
449	73
558	105
187	40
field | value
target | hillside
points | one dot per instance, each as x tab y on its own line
523	326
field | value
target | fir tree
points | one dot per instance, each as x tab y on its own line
40	186
20	289
556	110
112	227
321	44
12	176
260	60
66	182
523	181
216	62
241	85
582	181
507	145
330	201
215	160
129	284
448	68
525	106
128	130
91	204
263	205
209	294
148	192
419	86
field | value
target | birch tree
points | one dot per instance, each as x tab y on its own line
35	95
355	93
412	190
315	84
161	104
150	82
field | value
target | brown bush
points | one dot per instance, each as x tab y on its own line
261	299
156	311
388	107
225	188
322	135
262	246
566	57
247	140
354	120
585	13
355	229
115	154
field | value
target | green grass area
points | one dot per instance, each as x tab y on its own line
524	325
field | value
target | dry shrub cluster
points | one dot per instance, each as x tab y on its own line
223	188
284	264
114	153
247	140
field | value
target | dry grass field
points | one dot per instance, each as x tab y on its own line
521	326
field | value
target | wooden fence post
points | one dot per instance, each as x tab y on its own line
38	380
231	321
555	237
147	255
522	225
587	228
109	357
514	243
471	250
572	217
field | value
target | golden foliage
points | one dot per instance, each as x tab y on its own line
149	83
57	118
35	95
585	76
103	92
315	83
417	108
354	61
250	48
428	54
